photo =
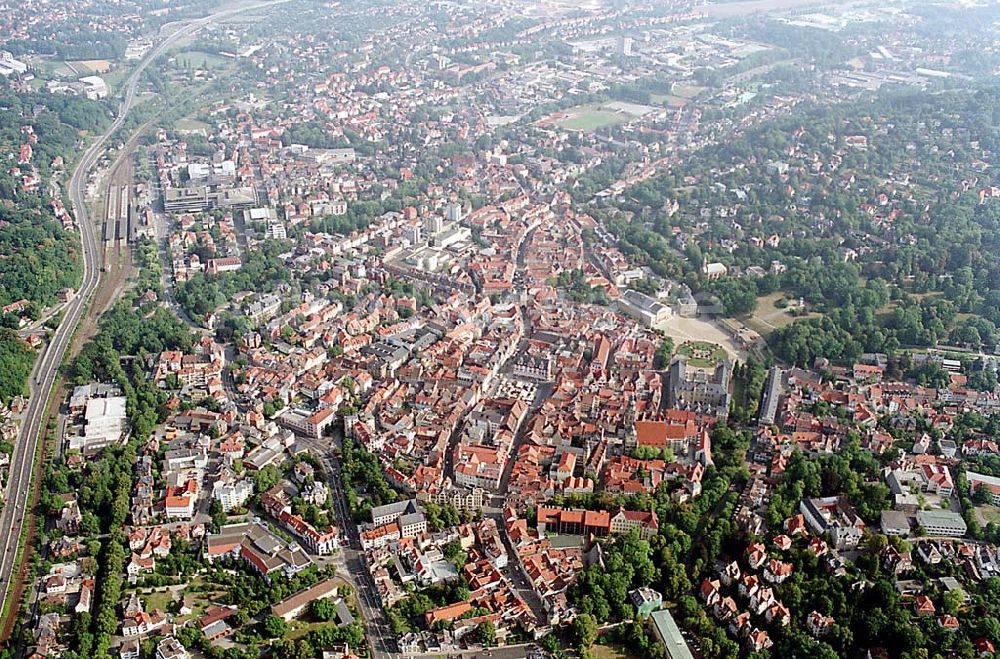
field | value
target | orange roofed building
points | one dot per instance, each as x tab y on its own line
447	613
595	522
661	434
574	522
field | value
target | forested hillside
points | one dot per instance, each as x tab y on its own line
880	215
38	256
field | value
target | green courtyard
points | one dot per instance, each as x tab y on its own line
702	354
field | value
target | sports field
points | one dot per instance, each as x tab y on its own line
590	118
192	125
196	59
90	67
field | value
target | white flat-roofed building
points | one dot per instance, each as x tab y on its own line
104	424
260	215
94	87
8	62
197	171
276	231
715	270
180	200
232	494
453	236
323	156
171	648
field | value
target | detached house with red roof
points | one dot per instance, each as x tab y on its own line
796	525
948	622
777	571
779	614
756	555
709	591
923	605
758	640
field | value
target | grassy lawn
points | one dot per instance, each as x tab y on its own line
196	59
702	354
203	599
600	651
157	600
668	100
117	78
686	91
588	118
988	514
768	317
44	66
91	66
300	629
191	124
739	390
63	71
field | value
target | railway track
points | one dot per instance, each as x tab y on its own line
46	371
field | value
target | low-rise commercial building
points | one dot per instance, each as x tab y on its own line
310	425
942	522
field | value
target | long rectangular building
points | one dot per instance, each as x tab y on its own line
772	394
567	521
669	634
185	200
991	483
291	607
942	522
201	198
643	308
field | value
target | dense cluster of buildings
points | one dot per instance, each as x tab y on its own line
497	350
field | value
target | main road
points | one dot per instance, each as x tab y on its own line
46	369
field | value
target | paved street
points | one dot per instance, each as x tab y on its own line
352	558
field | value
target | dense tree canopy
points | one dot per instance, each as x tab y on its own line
16	360
262	271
